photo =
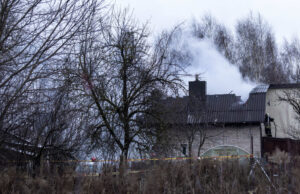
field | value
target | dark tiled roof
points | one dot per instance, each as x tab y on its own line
284	86
229	109
221	102
222	109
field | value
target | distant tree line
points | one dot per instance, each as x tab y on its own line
253	48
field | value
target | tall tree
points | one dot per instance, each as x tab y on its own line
119	69
34	36
290	59
257	55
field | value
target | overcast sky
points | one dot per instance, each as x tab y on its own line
282	15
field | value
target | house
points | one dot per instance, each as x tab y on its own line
202	122
286	121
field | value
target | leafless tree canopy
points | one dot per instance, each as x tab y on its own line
253	48
34	36
117	69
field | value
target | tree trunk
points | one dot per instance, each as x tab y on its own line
123	163
190	149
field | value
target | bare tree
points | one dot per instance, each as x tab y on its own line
290	59
57	131
119	69
291	97
189	123
35	37
180	126
253	49
257	55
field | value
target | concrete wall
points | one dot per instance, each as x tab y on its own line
282	112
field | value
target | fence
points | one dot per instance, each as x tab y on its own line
269	145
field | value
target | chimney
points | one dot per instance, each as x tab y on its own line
197	89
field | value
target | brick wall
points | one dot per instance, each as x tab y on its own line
236	136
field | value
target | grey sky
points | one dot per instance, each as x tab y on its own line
283	15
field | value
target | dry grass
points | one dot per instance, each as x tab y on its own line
167	177
279	157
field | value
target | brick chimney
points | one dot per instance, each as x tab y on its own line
197	89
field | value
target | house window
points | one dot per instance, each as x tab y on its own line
183	146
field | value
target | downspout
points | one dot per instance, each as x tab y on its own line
261	144
275	128
251	144
251	141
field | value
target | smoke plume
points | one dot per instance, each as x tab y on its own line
221	76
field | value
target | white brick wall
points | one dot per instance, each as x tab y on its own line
237	136
283	113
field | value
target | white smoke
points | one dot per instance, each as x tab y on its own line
221	76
